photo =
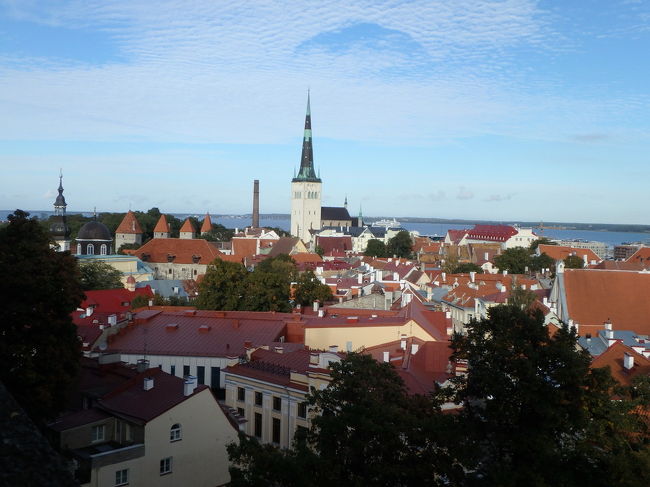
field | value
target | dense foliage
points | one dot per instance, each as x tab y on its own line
96	274
39	349
229	286
574	262
401	245
466	267
376	248
533	413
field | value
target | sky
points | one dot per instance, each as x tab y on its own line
504	110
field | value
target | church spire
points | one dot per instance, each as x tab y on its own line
60	199
306	172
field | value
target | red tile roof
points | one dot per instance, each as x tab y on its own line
132	400
303	258
613	357
113	300
162	226
456	235
207	224
129	224
561	252
334	244
183	251
642	255
187	227
596	296
181	333
497	233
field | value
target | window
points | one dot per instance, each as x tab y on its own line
78	249
302	410
258	398
172	369
241	412
166	466
98	433
122	477
241	394
276	430
90	249
200	374
258	425
169	271
175	432
102	249
186	370
277	403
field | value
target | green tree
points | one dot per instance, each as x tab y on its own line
534	412
129	246
222	286
536	243
573	262
139	301
39	349
310	289
367	432
466	267
319	250
219	233
401	245
450	263
514	260
376	248
269	285
539	262
96	274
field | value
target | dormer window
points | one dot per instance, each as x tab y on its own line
170	257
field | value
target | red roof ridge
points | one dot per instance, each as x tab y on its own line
187	227
129	224
162	226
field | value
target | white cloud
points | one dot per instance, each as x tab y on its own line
464	194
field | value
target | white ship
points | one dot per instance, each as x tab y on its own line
387	223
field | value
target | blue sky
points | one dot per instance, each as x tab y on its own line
507	110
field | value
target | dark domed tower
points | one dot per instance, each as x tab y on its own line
59	228
94	238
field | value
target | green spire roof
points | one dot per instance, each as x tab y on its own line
306	172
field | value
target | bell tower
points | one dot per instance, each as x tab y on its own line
59	228
306	189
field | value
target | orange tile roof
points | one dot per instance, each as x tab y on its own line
162	226
596	296
129	224
244	247
641	255
187	227
183	250
207	224
308	257
561	252
613	357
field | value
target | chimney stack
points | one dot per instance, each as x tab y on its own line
148	383
256	203
189	385
142	365
628	361
386	356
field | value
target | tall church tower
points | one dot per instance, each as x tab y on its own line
59	229
306	189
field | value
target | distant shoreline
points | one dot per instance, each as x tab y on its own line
597	227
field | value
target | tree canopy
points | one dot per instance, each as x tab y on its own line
39	348
466	267
536	243
533	413
573	262
309	289
376	248
96	274
514	260
401	245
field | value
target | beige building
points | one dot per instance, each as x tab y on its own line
268	391
129	231
146	428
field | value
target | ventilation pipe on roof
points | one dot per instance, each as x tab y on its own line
586	260
472	276
148	383
386	356
485	256
316	306
628	361
444	277
360	278
402	342
142	365
505	272
414	348
89	311
189	385
321	313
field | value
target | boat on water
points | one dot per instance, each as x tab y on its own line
387	223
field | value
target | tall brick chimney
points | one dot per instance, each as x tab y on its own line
256	203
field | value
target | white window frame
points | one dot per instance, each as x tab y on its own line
166	465
96	436
176	432
121	477
102	249
90	249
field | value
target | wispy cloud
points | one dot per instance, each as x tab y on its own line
499	197
464	194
